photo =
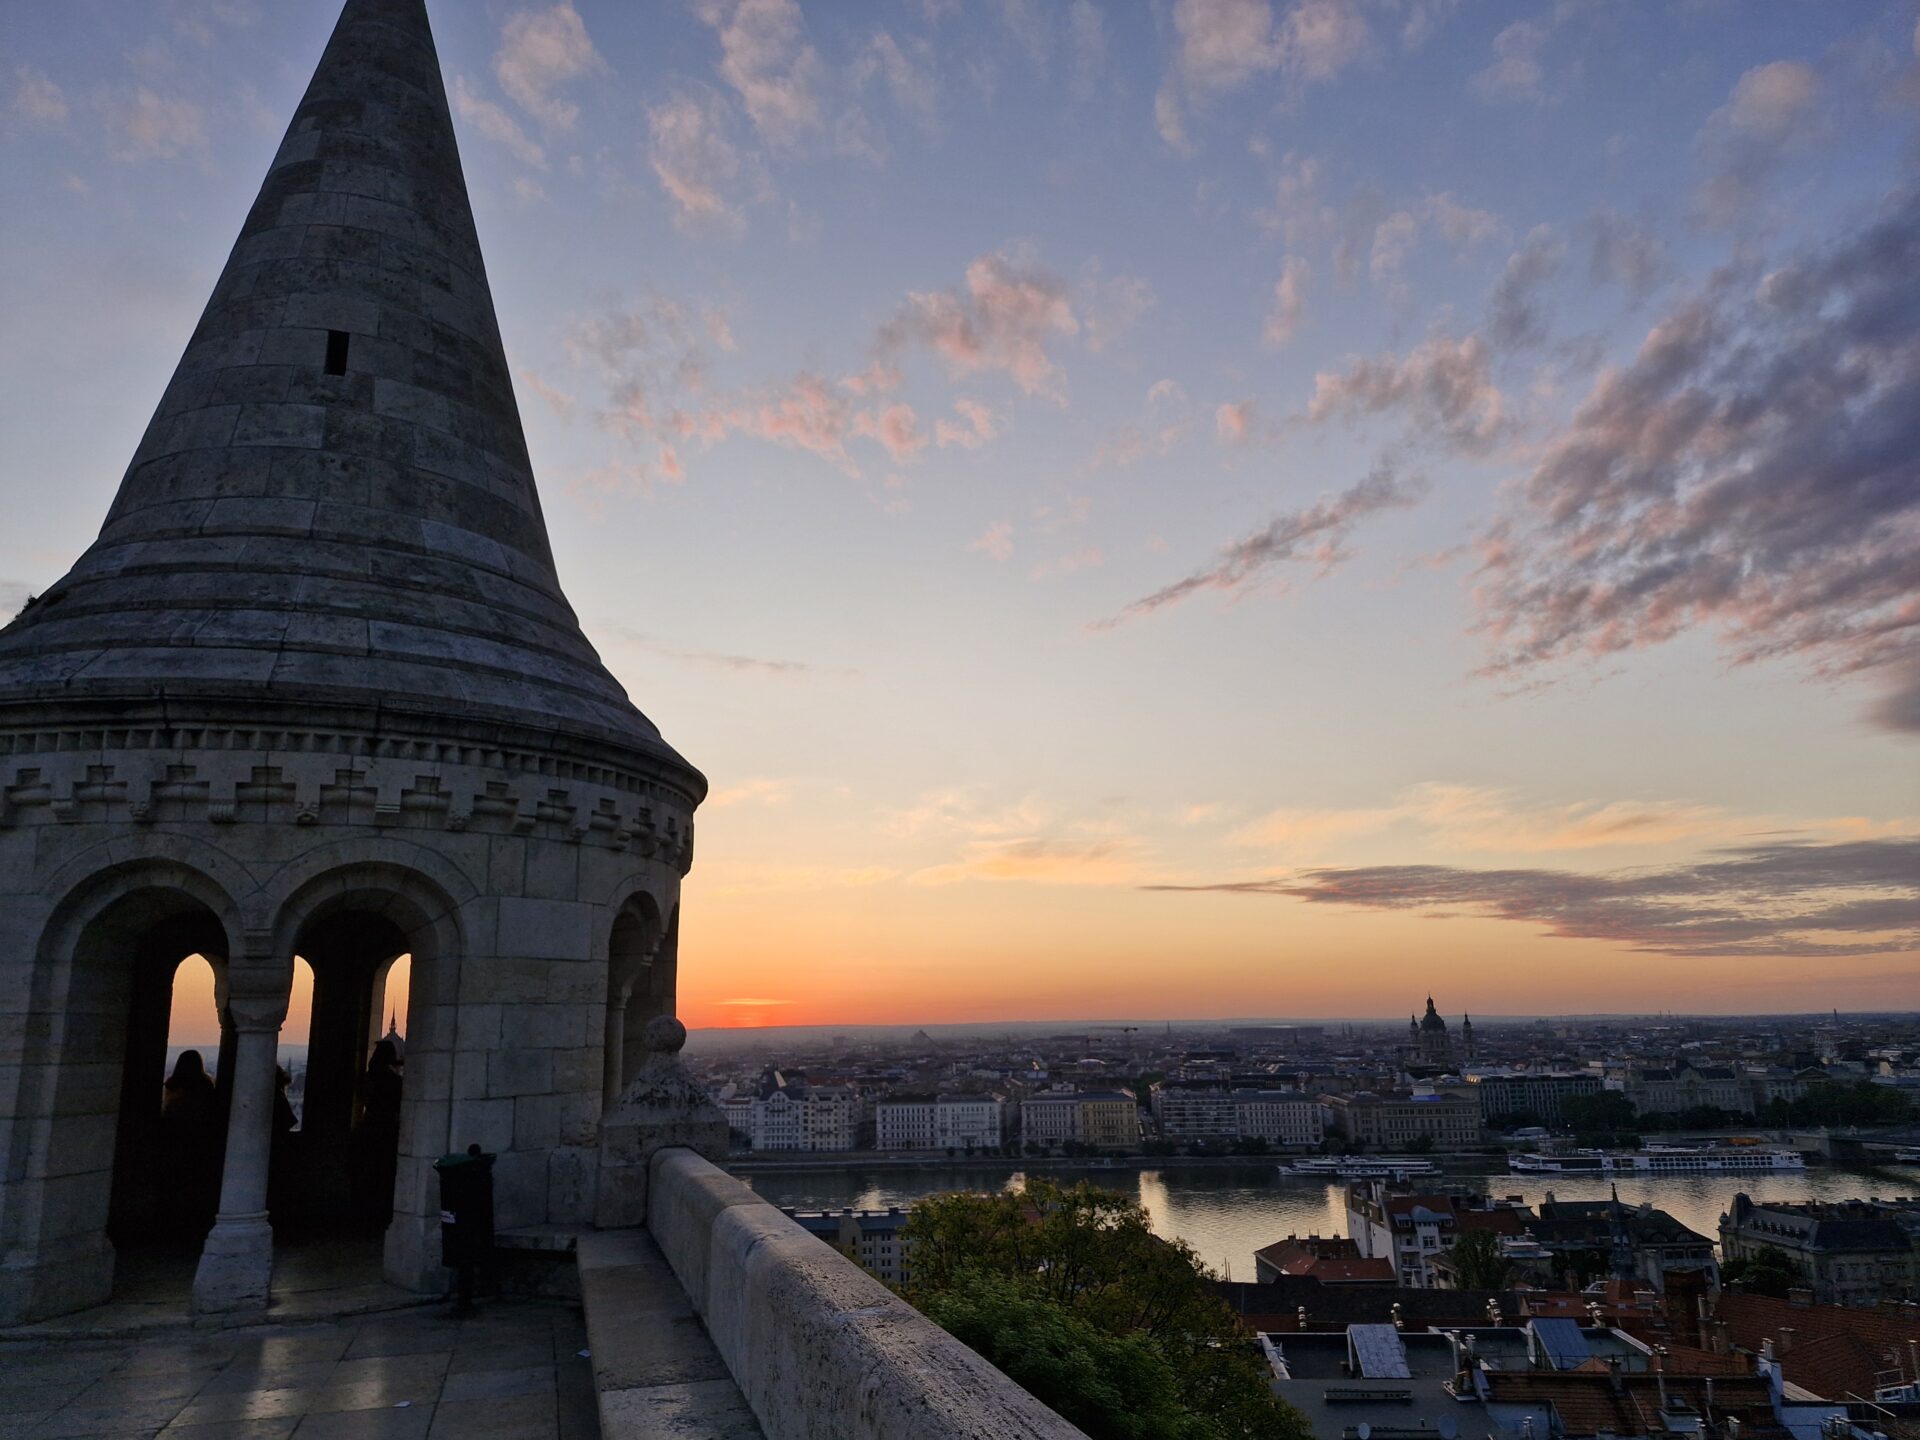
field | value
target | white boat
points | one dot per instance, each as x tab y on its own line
1361	1167
1661	1160
1906	1157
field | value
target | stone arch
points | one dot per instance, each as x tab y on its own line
100	983
632	943
351	919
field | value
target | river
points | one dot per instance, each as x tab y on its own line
1228	1213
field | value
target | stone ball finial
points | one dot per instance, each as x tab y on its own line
664	1035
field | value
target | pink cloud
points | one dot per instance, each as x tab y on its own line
1001	321
978	426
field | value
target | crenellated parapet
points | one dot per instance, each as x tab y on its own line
224	776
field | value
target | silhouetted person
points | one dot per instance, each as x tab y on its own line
280	1159
376	1140
190	1127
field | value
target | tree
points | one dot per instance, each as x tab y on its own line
1053	1254
1477	1263
1108	1385
1605	1110
1770	1272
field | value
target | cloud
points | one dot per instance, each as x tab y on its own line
716	659
1461	224
1110	307
1753	469
1111	860
1625	252
1223	45
540	51
196	20
1087	38
1516	73
694	162
996	540
1786	898
879	378
976	426
1002	320
1443	387
1770	115
557	399
1514	317
1452	817
36	97
1315	535
1167	417
764	56
913	86
896	428
751	792
157	127
1393	240
493	122
1090	557
1235	423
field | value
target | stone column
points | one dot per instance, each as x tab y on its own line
236	1264
661	1105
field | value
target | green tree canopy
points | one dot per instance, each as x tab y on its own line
1605	1110
1770	1272
1477	1263
1056	1262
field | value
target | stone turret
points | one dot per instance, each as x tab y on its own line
315	690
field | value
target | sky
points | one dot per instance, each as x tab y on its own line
1151	510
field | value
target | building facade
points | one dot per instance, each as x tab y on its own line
1190	1110
1109	1119
1537	1095
942	1122
1396	1120
790	1114
1856	1252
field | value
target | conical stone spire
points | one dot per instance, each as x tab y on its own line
333	508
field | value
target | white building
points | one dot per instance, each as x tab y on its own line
797	1116
1280	1117
944	1122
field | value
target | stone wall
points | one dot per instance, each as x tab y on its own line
820	1349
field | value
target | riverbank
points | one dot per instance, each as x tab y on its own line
748	1163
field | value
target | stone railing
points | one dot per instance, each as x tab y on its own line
820	1349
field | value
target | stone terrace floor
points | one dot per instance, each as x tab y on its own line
512	1367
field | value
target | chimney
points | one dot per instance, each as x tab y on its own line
1800	1297
1614	1382
1721	1339
1785	1342
1660	1374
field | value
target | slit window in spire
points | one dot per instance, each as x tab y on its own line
336	352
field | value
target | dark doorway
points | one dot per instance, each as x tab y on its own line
334	1175
170	1131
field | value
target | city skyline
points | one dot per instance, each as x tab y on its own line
1113	517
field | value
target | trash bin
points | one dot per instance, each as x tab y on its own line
466	1214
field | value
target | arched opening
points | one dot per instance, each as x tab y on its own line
337	1175
175	1079
634	952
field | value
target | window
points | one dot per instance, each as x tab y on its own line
336	352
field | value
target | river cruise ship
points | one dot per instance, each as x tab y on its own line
1361	1167
1661	1160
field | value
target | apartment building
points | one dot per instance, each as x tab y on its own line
938	1122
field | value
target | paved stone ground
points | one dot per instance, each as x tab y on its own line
511	1368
